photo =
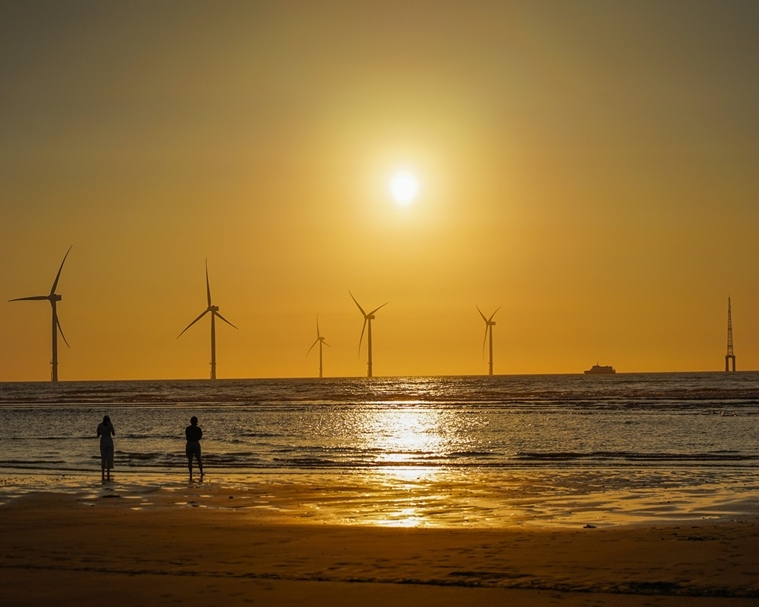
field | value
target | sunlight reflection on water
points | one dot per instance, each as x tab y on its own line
403	435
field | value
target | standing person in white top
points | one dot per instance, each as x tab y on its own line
106	434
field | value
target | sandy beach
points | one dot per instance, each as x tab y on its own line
207	545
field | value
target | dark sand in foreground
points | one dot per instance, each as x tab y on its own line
61	550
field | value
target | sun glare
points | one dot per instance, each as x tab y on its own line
404	187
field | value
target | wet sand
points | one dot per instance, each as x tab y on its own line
412	497
206	544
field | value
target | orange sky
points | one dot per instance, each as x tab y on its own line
588	166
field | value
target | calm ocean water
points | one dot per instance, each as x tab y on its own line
708	423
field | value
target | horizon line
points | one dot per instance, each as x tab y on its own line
376	377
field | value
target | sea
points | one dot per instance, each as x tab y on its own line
684	443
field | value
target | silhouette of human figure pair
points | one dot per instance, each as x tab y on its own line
105	431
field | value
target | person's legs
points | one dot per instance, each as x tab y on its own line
188	453
193	450
108	462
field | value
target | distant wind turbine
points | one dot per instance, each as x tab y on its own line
53	298
321	342
489	324
368	318
214	310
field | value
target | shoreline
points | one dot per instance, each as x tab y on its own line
422	498
72	551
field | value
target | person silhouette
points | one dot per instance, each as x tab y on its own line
193	434
106	434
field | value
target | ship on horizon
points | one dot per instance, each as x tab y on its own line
600	370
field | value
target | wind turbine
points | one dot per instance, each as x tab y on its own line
53	298
489	324
321	342
368	318
214	310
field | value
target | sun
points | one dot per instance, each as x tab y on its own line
404	187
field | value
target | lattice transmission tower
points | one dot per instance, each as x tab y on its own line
730	356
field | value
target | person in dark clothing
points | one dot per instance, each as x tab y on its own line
193	434
106	433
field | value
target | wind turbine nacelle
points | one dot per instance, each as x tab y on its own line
55	297
213	308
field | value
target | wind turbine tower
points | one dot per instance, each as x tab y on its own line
214	311
53	298
368	318
730	356
321	342
489	324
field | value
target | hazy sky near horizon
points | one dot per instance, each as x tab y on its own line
589	166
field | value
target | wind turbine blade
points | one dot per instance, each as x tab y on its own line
208	286
225	320
35	298
375	309
481	314
193	322
358	304
484	340
326	344
312	346
362	336
57	276
318	334
58	324
493	314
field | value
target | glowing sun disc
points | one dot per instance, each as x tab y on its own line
404	187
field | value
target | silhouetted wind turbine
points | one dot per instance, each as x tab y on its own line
53	298
368	318
214	310
489	324
321	342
